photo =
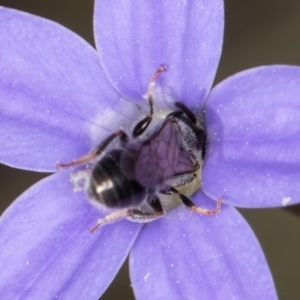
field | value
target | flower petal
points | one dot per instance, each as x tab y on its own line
134	38
188	256
55	101
253	157
47	251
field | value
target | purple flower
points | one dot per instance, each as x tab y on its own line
58	101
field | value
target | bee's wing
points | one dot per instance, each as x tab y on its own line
160	157
186	164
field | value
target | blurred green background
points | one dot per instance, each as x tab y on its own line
257	32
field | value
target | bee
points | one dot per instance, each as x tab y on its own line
139	176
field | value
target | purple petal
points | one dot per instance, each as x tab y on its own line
134	38
253	157
184	256
47	250
55	101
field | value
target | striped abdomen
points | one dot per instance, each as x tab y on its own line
111	187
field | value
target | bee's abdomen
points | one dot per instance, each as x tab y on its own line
111	187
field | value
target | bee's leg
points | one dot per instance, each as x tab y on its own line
141	126
99	149
187	111
143	216
200	132
187	202
111	218
139	216
133	215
